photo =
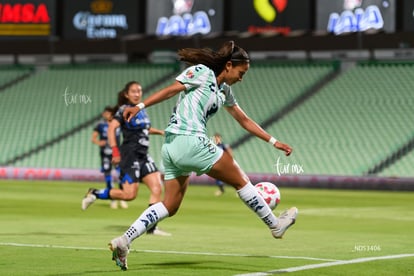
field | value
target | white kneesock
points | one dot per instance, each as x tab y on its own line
153	214
256	203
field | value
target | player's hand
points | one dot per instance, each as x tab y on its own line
116	156
285	147
116	160
130	112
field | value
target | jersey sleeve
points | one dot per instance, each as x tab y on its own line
194	76
230	100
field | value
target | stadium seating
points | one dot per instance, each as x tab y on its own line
10	73
55	101
347	127
265	90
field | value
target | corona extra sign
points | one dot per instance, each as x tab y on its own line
99	19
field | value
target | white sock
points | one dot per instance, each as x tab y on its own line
256	203
153	214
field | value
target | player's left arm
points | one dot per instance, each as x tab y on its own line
254	128
112	141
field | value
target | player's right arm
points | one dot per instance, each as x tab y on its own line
155	98
95	139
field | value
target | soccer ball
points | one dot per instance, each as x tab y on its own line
270	193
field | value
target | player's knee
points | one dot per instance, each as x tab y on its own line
130	196
156	190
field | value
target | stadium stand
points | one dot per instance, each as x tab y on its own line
52	103
10	74
266	89
347	127
350	125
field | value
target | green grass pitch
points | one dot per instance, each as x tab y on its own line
43	231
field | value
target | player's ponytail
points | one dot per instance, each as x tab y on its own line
216	61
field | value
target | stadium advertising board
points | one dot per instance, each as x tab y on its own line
408	14
346	16
20	18
184	17
279	16
99	19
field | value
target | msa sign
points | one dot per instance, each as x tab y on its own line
26	18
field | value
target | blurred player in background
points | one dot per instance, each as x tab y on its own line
203	88
100	138
218	139
136	165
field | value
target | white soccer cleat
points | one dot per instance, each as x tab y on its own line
88	199
120	249
285	220
124	204
113	204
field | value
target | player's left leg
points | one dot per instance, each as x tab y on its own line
128	192
107	171
227	170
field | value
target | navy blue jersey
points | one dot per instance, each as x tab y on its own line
135	133
222	146
102	129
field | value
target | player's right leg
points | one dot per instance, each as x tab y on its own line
120	249
174	194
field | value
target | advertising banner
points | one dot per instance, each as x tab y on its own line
279	16
184	17
346	16
26	19
99	19
408	15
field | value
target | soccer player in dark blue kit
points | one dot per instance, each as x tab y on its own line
136	165
100	138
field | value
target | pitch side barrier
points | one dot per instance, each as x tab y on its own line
296	181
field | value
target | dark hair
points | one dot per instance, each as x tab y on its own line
122	100
108	108
215	60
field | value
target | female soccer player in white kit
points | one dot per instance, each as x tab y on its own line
204	87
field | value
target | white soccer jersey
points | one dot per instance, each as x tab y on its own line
201	100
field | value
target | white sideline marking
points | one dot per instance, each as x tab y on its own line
313	266
164	252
